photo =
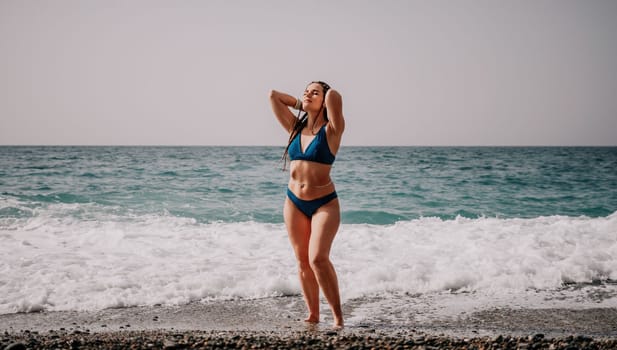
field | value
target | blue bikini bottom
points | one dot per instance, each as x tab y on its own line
310	207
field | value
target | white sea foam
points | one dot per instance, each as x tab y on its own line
55	261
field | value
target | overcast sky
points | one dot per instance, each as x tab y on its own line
144	72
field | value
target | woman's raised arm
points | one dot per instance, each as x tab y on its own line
334	104
280	106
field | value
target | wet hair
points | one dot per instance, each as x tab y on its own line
301	121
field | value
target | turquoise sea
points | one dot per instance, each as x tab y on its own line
99	227
376	185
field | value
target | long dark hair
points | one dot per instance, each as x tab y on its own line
301	121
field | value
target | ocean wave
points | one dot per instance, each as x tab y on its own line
63	262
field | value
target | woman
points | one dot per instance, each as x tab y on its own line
311	209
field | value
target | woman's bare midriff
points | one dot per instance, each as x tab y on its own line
310	180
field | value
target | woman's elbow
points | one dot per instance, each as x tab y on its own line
272	94
335	94
334	99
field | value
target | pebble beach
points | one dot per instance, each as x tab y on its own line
165	339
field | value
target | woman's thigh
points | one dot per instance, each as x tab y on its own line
298	229
324	226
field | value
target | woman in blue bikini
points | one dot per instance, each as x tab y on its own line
311	210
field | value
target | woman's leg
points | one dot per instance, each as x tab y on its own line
299	232
325	223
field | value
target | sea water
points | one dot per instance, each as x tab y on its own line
88	228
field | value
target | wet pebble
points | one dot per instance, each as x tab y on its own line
16	346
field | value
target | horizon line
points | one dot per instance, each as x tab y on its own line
342	146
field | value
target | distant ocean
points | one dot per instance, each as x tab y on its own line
87	228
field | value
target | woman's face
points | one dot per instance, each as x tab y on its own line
313	97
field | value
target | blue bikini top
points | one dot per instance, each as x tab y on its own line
317	151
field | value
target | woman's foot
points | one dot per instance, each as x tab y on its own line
338	323
312	318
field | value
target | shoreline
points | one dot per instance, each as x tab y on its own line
277	322
285	314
